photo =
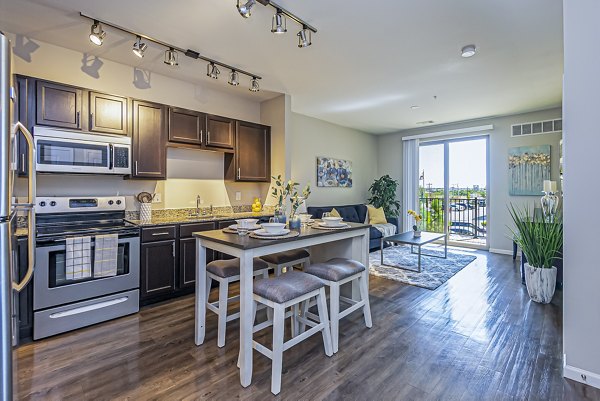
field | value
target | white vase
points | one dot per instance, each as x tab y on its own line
416	233
541	283
145	211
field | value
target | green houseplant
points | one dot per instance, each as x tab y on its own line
383	194
541	242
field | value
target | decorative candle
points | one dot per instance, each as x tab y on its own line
549	186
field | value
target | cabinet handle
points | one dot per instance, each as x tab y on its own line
136	169
91	120
77	119
207	137
163	233
239	173
23	162
201	136
173	249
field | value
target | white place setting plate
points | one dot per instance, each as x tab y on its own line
341	224
264	233
235	227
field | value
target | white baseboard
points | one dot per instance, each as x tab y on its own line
580	375
503	251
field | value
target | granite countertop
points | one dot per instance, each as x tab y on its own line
161	221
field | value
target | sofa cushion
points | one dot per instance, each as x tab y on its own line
348	213
376	215
374	233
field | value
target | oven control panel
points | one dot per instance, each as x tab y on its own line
49	204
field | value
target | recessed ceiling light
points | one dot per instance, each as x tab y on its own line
468	51
425	122
415	107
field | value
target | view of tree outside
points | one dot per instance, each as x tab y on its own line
467	211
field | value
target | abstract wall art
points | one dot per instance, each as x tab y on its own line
334	172
528	167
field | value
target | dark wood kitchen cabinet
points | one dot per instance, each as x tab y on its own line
252	153
108	113
58	105
157	268
149	140
187	252
186	126
220	132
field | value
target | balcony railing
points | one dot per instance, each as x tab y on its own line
467	217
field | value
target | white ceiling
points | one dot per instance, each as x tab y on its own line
369	62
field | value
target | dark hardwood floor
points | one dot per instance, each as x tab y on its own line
477	337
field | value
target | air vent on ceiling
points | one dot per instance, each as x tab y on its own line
537	128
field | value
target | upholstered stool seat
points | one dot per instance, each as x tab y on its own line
334	273
226	272
231	267
287	287
286	257
335	269
289	291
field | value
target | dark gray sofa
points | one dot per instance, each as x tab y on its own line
355	214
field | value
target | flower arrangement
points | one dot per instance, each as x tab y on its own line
282	190
418	218
296	199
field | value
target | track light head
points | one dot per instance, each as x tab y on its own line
304	37
97	34
279	24
212	71
244	9
171	57
139	47
234	79
254	87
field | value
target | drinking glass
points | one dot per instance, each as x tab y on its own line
274	220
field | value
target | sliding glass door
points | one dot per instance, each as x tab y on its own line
453	189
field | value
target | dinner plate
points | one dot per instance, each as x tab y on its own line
263	233
342	224
235	227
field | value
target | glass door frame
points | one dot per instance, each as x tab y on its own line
446	143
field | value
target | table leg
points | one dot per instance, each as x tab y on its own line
200	307
419	264
381	250
446	246
246	319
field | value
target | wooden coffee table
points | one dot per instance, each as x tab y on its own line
408	238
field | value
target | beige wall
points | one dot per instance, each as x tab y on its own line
390	162
311	138
205	178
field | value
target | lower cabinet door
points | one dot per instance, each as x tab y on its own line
157	265
187	262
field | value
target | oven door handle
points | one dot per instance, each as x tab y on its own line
18	287
111	156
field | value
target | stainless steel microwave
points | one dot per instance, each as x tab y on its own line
63	151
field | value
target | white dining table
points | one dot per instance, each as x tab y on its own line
351	242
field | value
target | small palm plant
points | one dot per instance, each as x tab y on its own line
541	242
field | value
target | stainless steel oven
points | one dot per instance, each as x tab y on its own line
63	301
63	151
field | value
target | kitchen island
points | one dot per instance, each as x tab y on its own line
351	242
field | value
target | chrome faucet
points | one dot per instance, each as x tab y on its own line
212	212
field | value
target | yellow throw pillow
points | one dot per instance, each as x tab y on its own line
335	213
376	216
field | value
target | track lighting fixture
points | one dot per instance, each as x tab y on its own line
304	37
171	57
139	47
212	71
279	24
244	9
97	34
234	79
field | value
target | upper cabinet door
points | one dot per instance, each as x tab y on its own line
108	113
219	132
149	140
186	126
58	105
253	152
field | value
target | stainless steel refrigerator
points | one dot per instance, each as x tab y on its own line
9	208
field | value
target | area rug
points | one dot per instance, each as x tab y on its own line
434	271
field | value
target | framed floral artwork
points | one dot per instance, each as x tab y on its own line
528	167
334	172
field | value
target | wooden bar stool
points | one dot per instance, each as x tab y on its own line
334	273
280	293
225	272
287	260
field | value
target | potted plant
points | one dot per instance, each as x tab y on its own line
383	194
417	225
541	242
280	192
